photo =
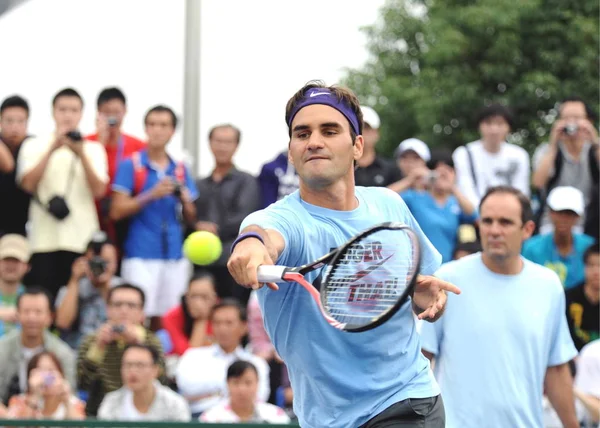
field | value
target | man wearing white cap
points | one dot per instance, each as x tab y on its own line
14	264
411	157
373	170
562	250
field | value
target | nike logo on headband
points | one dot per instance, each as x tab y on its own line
314	94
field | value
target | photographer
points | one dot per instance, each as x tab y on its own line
569	159
49	395
100	354
441	207
112	108
64	174
156	194
81	304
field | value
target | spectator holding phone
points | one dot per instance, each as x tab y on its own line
64	174
81	304
48	395
412	156
442	207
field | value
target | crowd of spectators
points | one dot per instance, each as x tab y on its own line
101	315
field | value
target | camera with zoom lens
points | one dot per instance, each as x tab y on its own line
112	121
74	136
97	264
571	129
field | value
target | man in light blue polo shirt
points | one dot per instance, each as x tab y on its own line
562	249
372	379
505	340
157	195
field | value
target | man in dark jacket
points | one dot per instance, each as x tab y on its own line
227	196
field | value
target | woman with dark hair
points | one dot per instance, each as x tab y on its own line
48	394
188	324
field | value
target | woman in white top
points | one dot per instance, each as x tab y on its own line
242	405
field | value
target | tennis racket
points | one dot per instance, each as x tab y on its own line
365	281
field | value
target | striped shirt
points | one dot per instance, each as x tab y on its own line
99	373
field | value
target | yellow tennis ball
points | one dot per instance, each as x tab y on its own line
202	248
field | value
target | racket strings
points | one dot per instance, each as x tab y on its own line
370	276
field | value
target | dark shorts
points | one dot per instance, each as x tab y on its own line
411	413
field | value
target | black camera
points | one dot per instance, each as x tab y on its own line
177	190
118	328
571	129
97	264
74	136
58	208
112	121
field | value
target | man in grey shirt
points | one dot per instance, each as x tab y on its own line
570	158
81	304
227	196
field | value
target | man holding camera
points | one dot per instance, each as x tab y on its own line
569	159
156	194
100	354
64	174
81	304
112	108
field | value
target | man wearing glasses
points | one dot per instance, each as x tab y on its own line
142	397
101	353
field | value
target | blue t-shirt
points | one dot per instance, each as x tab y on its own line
495	341
541	249
341	379
156	231
439	223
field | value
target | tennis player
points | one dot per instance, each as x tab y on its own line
371	379
506	340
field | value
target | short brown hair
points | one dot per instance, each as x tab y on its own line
526	211
343	94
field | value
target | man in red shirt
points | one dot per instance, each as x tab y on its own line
112	107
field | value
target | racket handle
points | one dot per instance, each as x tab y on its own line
271	273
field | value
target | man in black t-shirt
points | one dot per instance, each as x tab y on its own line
374	170
14	114
583	307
